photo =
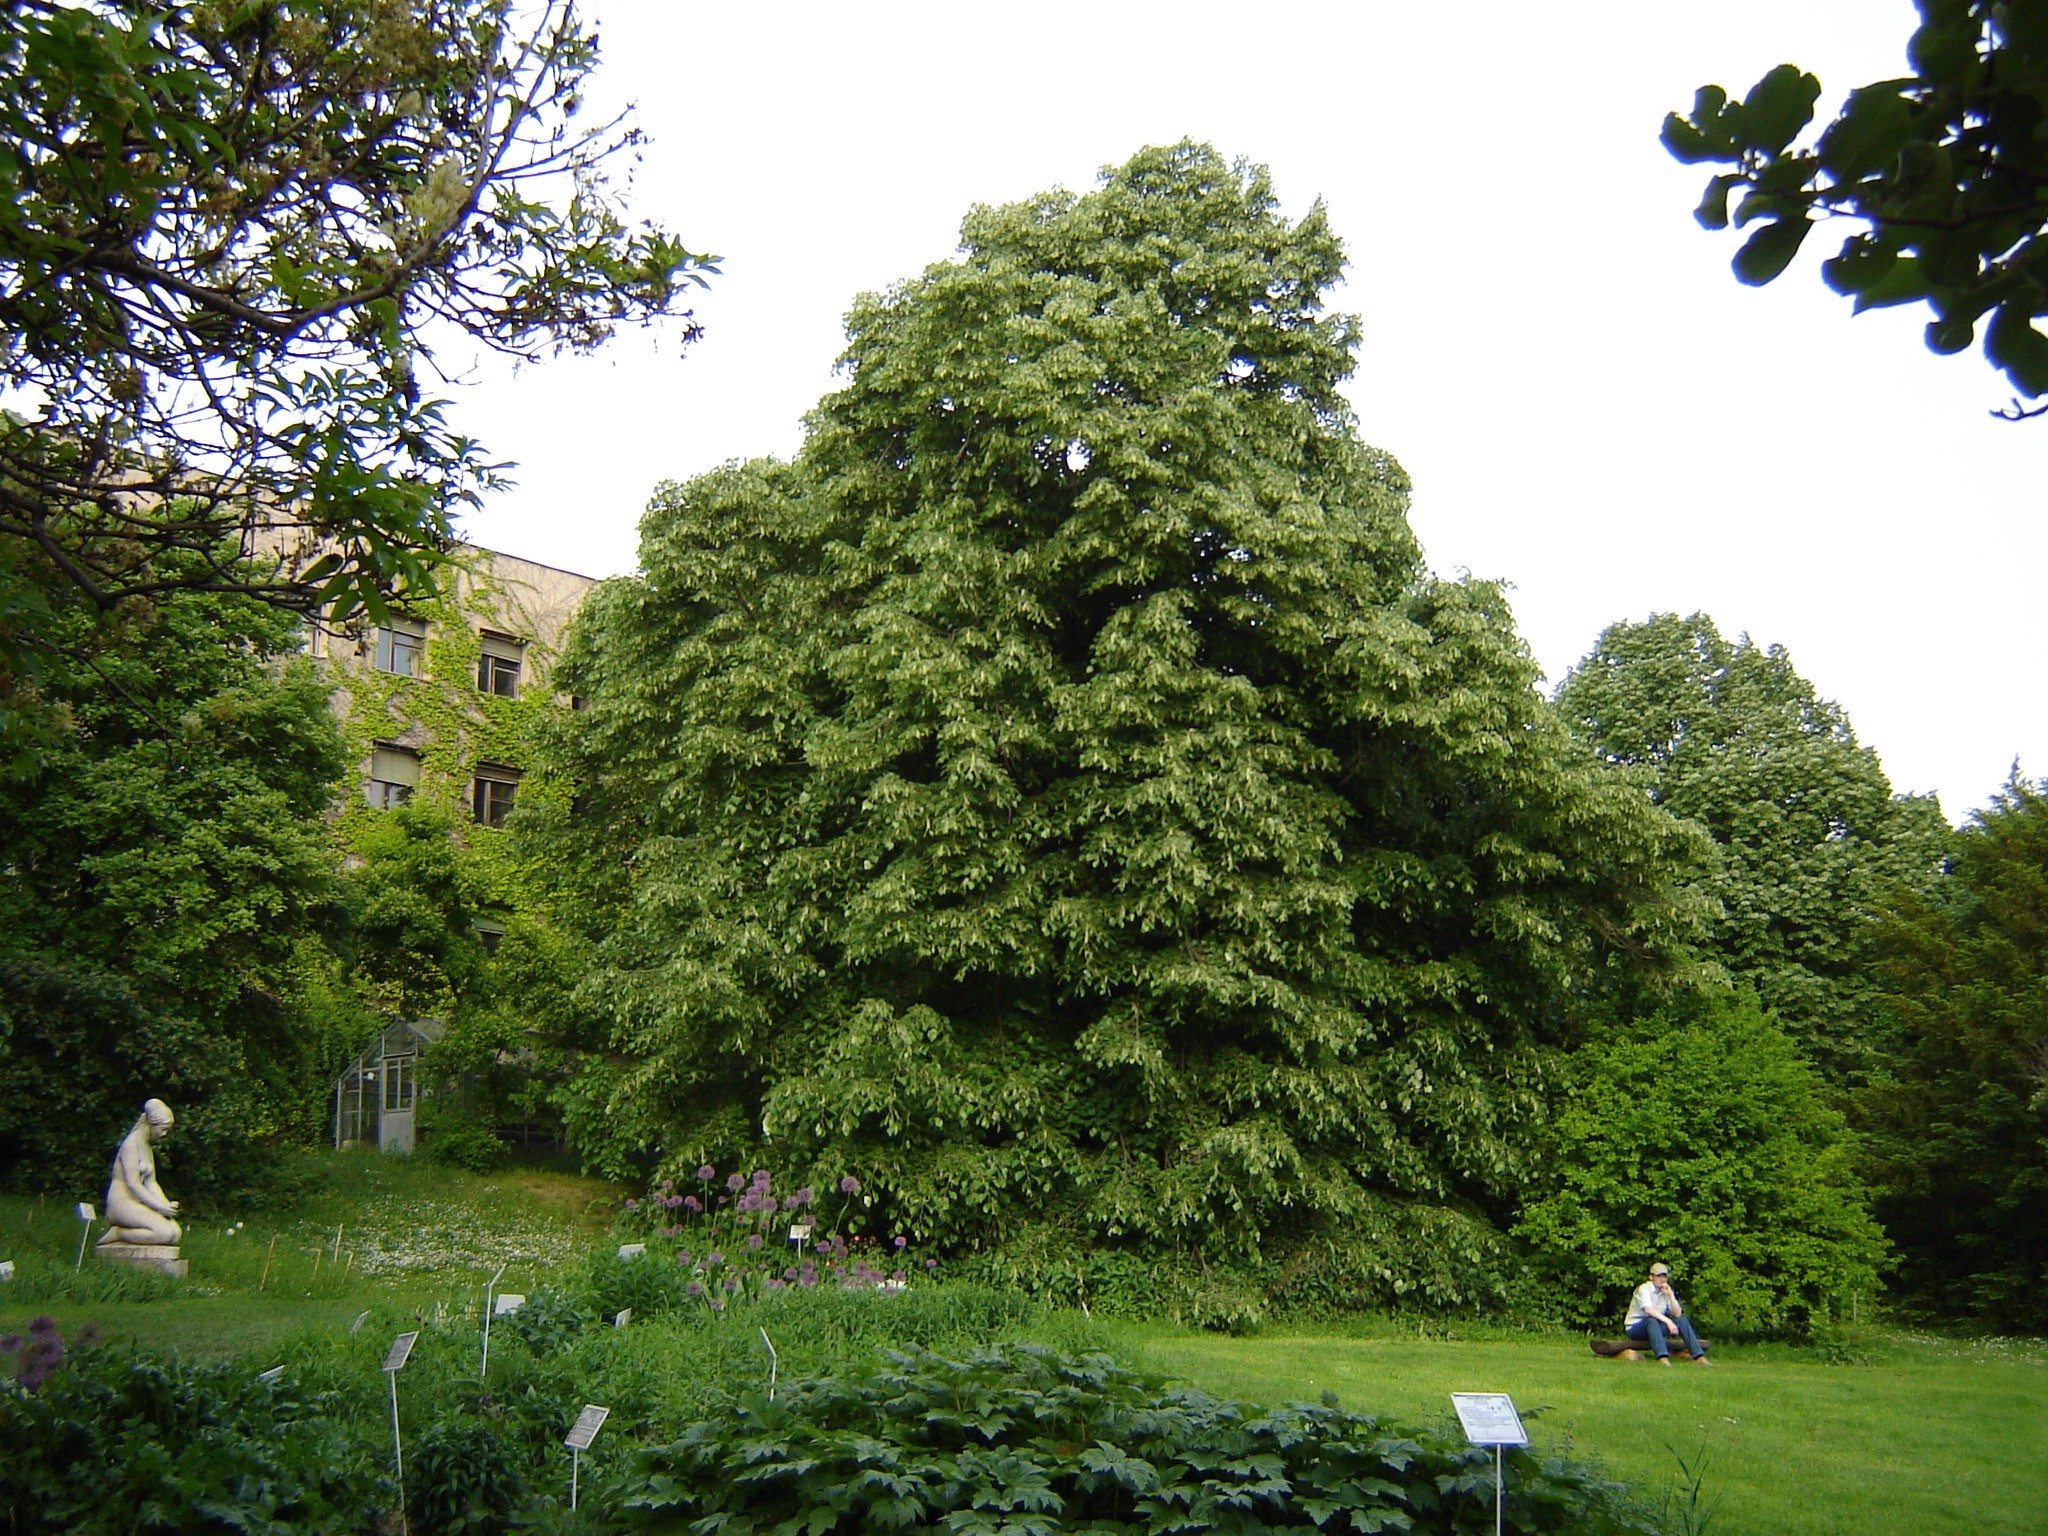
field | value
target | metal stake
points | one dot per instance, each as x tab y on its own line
1499	1509
489	1285
398	1454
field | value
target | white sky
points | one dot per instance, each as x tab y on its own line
1592	408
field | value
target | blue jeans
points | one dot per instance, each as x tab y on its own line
1653	1333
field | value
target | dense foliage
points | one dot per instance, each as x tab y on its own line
1061	796
1024	1439
1959	1131
230	239
1945	169
1699	1136
1812	846
162	869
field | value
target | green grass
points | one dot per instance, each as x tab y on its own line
1918	1436
409	1234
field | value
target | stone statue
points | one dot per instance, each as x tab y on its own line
142	1225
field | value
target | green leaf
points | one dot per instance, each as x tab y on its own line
1712	212
1777	107
1901	284
1950	334
1863	262
1875	124
2015	346
1770	250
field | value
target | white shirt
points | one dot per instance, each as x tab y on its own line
1649	1297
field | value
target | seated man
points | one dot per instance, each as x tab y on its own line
1656	1317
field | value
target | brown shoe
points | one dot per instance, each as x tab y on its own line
1701	1360
1664	1360
1630	1354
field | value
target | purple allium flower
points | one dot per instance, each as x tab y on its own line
789	1273
736	1183
706	1174
761	1177
683	1256
9	1343
791	1203
901	1240
931	1263
808	1277
805	1195
732	1282
632	1205
692	1203
714	1257
899	1277
774	1284
667	1185
754	1241
849	1185
694	1288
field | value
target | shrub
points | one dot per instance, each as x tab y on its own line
457	1142
461	1479
1026	1439
109	1442
1702	1137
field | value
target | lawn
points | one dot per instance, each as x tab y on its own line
1919	1436
364	1231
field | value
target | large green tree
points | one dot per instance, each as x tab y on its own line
1959	1132
1061	795
1942	175
1812	845
232	236
161	875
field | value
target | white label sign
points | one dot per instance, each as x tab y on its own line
1489	1418
631	1250
6	1269
620	1319
86	1212
401	1347
588	1423
357	1325
801	1233
270	1375
506	1303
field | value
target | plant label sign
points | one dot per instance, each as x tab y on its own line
801	1233
585	1429
1489	1418
401	1350
86	1212
622	1317
506	1303
631	1250
6	1269
357	1325
272	1374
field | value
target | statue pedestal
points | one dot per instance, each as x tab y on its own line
163	1258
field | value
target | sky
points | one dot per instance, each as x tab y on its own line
1591	408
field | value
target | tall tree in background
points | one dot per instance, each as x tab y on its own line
1959	1134
1944	172
161	871
230	237
1061	795
1814	847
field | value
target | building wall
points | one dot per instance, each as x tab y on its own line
416	691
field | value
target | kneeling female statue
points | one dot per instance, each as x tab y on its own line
139	1214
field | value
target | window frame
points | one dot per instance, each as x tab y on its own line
485	782
385	649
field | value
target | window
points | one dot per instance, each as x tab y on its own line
497	669
394	775
489	934
398	1079
399	646
493	792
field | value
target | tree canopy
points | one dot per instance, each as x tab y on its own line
1062	797
1813	846
162	868
231	237
1959	1130
1945	169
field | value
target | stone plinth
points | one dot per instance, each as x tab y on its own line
163	1258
